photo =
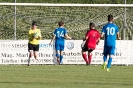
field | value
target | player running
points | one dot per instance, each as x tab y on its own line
59	36
92	38
111	31
33	44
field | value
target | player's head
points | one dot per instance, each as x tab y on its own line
92	25
110	18
61	23
34	24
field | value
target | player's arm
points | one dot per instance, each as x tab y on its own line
68	37
40	36
118	36
98	40
103	32
52	39
30	36
86	37
54	36
83	43
102	35
84	40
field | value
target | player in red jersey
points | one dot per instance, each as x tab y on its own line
92	39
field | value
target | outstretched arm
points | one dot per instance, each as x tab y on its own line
52	39
68	37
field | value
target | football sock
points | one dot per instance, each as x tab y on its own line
89	58
109	63
61	57
85	58
58	56
104	58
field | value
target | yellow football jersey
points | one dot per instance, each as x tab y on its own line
33	40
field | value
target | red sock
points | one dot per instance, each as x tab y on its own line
85	57
90	57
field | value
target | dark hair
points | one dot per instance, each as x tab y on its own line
34	23
61	23
91	25
110	17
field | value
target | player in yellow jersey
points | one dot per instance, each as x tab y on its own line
33	44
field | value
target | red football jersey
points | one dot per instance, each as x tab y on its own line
93	36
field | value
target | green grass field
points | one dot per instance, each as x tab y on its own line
65	76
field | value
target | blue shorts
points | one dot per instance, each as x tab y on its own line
59	47
109	50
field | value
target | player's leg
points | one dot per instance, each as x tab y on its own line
30	49
111	54
105	53
84	49
104	61
30	56
36	55
89	56
61	53
104	58
58	56
57	48
109	62
61	57
85	57
36	50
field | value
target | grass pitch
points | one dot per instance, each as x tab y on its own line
65	76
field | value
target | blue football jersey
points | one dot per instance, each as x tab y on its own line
110	30
60	34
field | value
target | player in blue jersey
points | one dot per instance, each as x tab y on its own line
60	34
110	32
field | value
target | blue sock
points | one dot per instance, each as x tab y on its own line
57	55
109	63
61	57
104	58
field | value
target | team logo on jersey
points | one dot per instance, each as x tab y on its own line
70	45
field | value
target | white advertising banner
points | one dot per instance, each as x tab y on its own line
16	52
